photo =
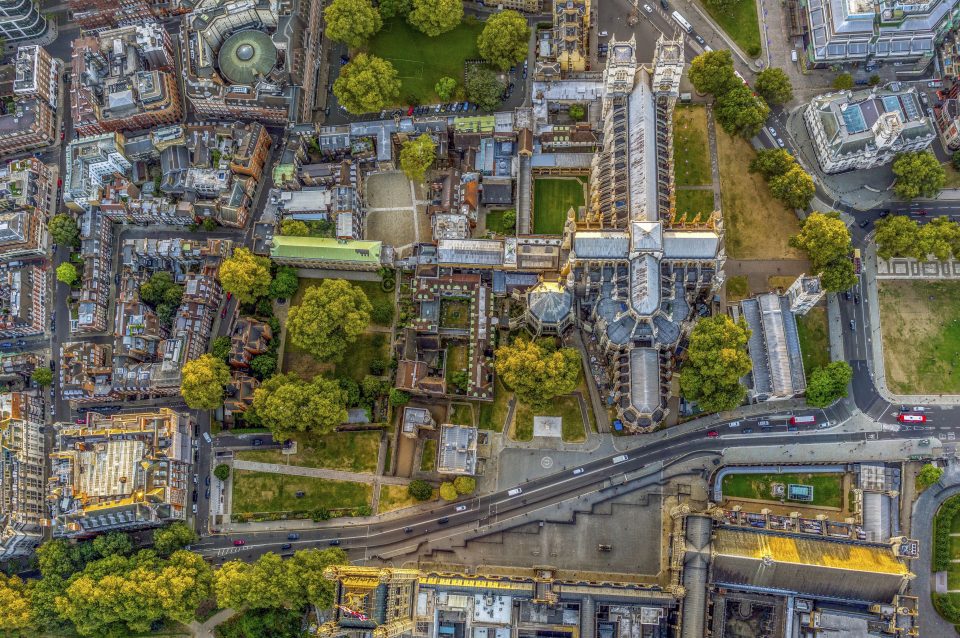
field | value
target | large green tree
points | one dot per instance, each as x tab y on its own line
795	188
330	318
896	236
843	82
826	240
829	383
772	162
416	156
161	289
938	238
393	8
444	87
483	87
173	537
290	227
63	228
367	83
67	273
741	112
504	40
16	610
42	376
285	283
712	72
245	275
287	404
352	22
535	374
272	583
716	360
202	382
927	476
434	17
919	174
774	86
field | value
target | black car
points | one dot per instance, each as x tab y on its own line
884	213
286	546
257	442
856	299
846	295
407	530
206	481
293	537
334	542
443	521
206	494
195	496
52	365
864	223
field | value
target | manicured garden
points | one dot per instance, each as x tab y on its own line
495	223
394	497
461	414
367	348
421	60
348	451
691	150
455	313
945	549
814	339
692	204
552	198
267	492
827	487
494	413
566	407
428	458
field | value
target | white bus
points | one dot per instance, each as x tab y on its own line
682	22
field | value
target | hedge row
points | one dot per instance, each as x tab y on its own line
941	533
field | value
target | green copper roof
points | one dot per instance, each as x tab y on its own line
322	248
245	55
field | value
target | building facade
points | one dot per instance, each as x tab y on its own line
37	75
21	20
863	129
22	461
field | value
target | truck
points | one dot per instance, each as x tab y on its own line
857	263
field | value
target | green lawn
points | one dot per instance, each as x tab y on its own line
394	497
348	451
265	492
457	354
737	288
455	313
552	198
814	339
428	458
495	223
356	361
827	488
420	60
565	407
461	414
739	20
691	150
691	204
371	288
493	414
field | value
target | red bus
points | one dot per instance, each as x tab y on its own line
798	420
912	418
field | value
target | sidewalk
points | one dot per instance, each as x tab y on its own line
317	472
205	629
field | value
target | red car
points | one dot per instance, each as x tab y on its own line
223	313
239	543
713	434
229	296
59	183
410	111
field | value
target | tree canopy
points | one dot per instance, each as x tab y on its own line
393	8
417	155
420	489
202	383
330	318
63	228
741	112
716	360
286	404
712	72
42	376
919	174
16	612
290	227
774	86
795	188
535	374
366	83
222	471
483	87
173	537
938	238
434	17
826	240
352	22
843	82
444	87
271	582
245	275
285	283
161	289
67	273
772	162
448	492
504	40
927	476
896	236
828	383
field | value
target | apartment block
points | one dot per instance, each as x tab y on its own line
22	462
86	371
124	79
529	6
122	472
28	182
23	234
27	125
102	14
90	162
37	74
96	236
23	300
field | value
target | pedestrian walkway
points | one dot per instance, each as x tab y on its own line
205	629
714	158
318	472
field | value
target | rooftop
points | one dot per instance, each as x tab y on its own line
322	248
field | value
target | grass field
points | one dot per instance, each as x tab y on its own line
428	458
920	325
814	339
348	451
356	361
953	176
265	492
565	407
454	313
394	497
552	198
827	488
420	60
691	204
758	226
493	414
740	22
461	414
494	223
737	288
457	354
691	151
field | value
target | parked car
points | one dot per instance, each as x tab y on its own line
257	442
864	223
648	8
293	537
238	543
206	494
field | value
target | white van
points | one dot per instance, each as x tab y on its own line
793	55
734	424
620	459
515	492
206	437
